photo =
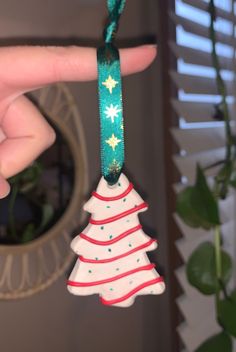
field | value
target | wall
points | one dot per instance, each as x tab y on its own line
54	320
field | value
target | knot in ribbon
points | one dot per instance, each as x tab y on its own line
115	8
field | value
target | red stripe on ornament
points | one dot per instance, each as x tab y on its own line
114	278
118	216
131	293
118	238
119	196
102	261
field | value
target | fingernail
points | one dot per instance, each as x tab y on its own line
153	46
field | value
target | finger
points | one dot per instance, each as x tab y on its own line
28	68
4	187
27	136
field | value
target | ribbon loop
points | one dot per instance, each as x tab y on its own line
110	98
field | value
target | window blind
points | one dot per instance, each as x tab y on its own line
201	138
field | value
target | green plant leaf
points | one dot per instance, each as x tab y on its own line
233	179
227	315
223	179
30	231
197	206
28	178
47	214
225	172
218	343
203	202
28	234
233	139
184	208
201	271
233	295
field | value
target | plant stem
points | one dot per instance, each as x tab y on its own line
11	210
217	241
229	142
217	163
218	262
220	83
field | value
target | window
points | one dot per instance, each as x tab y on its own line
200	136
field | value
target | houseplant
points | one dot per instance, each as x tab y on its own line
209	268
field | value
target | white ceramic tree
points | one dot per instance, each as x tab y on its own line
112	249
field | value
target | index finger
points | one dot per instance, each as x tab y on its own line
27	68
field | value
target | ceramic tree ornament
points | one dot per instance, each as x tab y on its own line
112	260
112	249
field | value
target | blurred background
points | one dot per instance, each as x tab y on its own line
170	125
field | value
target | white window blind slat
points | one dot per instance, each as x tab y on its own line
228	231
203	5
202	31
185	304
189	235
186	247
199	139
193	84
227	207
193	111
187	165
199	57
191	337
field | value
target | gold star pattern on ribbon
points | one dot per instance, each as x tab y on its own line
113	141
114	167
110	83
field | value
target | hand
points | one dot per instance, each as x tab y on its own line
24	133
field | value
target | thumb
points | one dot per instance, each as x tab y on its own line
4	187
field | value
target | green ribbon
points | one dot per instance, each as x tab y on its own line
110	98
